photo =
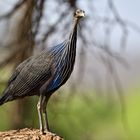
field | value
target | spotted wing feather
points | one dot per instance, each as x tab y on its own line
30	77
17	70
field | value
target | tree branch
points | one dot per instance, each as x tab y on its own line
14	10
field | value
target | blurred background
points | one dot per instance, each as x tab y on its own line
101	100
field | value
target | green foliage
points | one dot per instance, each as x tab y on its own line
81	117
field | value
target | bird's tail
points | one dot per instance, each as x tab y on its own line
5	97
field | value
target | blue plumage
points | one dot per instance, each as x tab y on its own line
57	52
61	61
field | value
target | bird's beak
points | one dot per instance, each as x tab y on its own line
81	15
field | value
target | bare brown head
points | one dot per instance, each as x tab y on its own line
78	14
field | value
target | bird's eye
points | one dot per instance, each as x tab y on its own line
78	11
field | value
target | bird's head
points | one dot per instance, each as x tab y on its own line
79	14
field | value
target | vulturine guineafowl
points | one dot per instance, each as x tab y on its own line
44	73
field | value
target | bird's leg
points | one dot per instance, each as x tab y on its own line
47	129
45	100
40	111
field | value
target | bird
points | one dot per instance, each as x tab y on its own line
44	73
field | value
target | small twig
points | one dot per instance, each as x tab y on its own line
38	16
10	13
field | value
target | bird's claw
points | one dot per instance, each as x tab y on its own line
50	133
46	132
42	132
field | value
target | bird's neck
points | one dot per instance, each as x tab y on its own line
74	29
71	46
73	35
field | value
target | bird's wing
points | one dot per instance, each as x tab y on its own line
17	70
32	76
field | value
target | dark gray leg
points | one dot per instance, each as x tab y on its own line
40	113
45	101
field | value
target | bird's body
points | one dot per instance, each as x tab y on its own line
31	75
44	73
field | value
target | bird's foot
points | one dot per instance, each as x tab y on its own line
46	132
42	132
50	133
